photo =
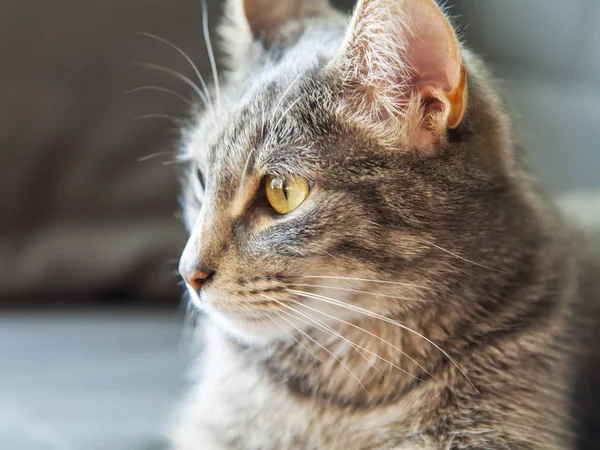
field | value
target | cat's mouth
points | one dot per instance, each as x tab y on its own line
256	311
251	306
261	316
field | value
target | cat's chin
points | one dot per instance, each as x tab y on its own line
250	330
256	330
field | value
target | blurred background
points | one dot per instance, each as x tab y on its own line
90	313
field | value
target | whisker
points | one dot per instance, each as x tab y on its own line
330	330
373	281
284	94
161	89
172	162
182	53
245	170
294	339
330	255
467	273
330	353
175	74
450	253
247	163
211	54
461	257
286	111
153	155
311	321
372	314
376	337
337	288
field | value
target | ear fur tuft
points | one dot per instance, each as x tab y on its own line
403	72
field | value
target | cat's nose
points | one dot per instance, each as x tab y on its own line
196	276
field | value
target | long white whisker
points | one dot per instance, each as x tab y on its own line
337	288
284	94
246	167
154	155
353	344
460	257
384	319
172	162
161	89
211	54
311	321
177	75
373	281
330	353
247	163
294	339
330	330
185	56
370	334
286	111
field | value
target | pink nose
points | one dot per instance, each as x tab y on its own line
195	277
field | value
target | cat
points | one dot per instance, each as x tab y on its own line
376	267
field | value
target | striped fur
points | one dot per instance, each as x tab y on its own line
415	300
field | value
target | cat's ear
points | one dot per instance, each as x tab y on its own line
403	72
266	22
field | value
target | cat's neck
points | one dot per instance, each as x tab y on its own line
377	360
360	364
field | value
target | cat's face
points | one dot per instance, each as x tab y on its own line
315	193
261	245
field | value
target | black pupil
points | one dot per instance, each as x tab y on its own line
200	177
285	191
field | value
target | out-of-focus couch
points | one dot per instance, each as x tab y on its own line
80	217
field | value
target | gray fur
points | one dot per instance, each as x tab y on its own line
461	248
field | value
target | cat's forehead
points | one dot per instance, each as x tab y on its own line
258	126
254	107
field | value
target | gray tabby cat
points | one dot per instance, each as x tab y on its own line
377	269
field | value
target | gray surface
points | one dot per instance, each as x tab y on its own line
88	382
558	126
547	53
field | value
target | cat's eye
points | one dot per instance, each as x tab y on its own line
200	177
286	193
197	182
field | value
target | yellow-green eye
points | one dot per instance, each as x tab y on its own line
286	193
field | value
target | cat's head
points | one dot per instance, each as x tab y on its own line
344	169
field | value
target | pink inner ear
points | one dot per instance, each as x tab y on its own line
401	60
432	52
398	47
